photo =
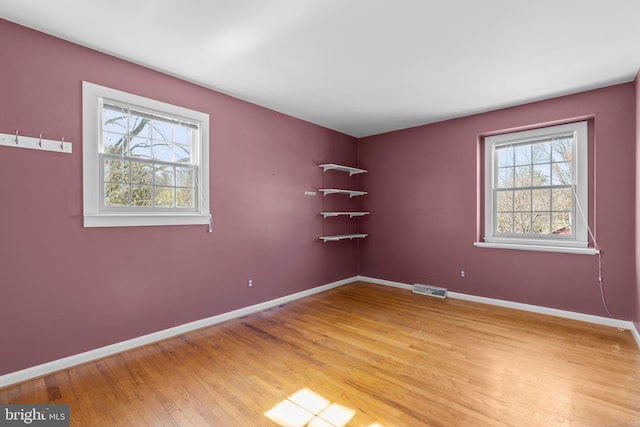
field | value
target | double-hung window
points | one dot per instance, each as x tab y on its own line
145	162
536	189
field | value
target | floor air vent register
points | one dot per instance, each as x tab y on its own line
432	291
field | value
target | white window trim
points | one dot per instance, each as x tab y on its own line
580	243
91	123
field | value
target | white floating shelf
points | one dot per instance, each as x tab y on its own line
351	214
342	237
351	193
20	141
333	166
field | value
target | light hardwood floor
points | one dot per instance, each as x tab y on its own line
362	355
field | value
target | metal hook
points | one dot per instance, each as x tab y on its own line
16	137
40	142
62	144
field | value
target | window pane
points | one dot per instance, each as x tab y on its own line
505	201
162	151
522	200
182	153
165	175
164	197
542	174
523	154
182	135
184	177
141	173
140	127
116	171
523	176
541	152
541	200
522	222
114	121
561	223
162	131
562	174
562	150
185	198
505	178
541	223
113	143
504	156
140	147
116	195
505	223
562	199
141	195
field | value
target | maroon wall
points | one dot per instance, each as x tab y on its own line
636	298
424	197
68	289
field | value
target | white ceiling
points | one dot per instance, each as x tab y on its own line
361	67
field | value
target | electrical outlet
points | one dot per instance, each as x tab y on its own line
309	193
250	283
462	273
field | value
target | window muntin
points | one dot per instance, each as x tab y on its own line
536	186
145	162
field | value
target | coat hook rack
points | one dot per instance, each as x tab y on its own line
37	143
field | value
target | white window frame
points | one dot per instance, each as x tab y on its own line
579	241
95	215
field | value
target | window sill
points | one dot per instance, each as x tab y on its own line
133	220
539	248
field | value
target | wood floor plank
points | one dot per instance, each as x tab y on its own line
374	355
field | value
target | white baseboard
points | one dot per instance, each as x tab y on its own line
385	282
617	323
99	353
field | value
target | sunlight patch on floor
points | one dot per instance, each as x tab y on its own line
307	408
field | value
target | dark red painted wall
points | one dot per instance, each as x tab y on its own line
636	296
424	198
66	289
